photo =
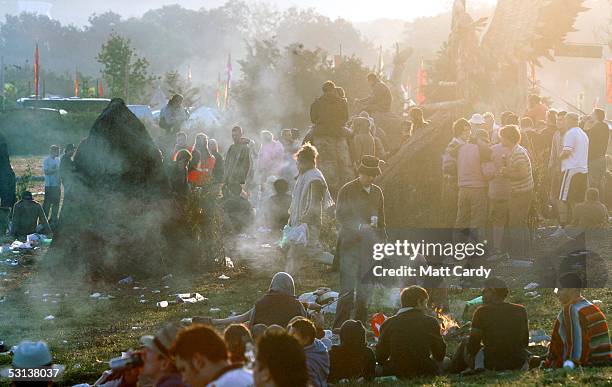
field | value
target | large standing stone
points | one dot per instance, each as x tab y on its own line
118	208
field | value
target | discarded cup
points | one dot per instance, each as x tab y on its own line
162	304
49	317
95	295
223	277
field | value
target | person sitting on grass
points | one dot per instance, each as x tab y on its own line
158	368
276	208
410	342
201	357
28	217
499	336
317	358
29	356
238	211
277	307
352	359
236	337
580	335
592	213
280	362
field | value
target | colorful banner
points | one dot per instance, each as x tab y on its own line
228	83
420	94
36	71
609	80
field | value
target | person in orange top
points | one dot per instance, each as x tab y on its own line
203	162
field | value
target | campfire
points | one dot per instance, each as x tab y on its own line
448	325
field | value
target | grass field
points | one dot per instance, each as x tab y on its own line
86	332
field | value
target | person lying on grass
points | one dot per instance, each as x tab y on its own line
580	334
277	307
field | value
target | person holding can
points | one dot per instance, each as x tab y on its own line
360	213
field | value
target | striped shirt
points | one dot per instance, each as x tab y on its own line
580	334
519	165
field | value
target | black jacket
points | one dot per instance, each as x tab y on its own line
346	363
410	343
276	308
329	114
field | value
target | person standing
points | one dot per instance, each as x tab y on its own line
469	153
219	169
270	158
574	167
599	137
237	162
53	190
518	171
7	179
309	197
202	163
360	211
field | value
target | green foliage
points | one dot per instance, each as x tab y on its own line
33	131
24	181
125	72
174	83
272	75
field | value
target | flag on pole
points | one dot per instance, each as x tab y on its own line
609	80
218	96
76	82
420	94
381	63
100	89
228	82
36	71
533	74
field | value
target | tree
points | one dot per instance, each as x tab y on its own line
174	83
125	72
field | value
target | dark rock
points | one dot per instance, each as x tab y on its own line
119	205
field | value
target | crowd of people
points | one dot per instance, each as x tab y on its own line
282	345
547	164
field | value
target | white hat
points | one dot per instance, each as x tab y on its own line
477	119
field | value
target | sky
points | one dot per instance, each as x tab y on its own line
77	11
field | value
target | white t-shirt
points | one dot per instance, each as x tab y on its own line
239	377
576	141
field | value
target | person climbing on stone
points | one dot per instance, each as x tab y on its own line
171	119
380	99
329	115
